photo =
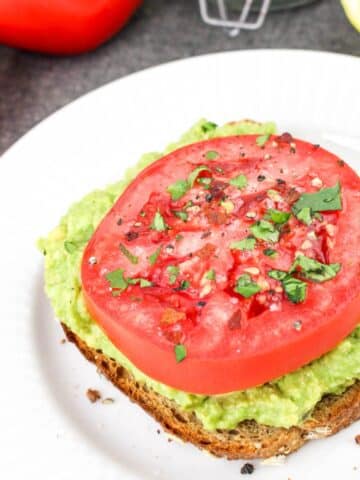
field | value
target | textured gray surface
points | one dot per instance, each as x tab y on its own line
33	86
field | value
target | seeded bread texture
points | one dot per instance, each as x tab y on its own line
249	440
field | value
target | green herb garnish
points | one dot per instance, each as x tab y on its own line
244	244
182	215
295	290
117	279
180	352
143	282
304	215
239	182
158	223
70	247
154	256
211	155
205	181
208	127
184	285
269	252
210	274
173	271
327	199
262	139
264	230
277	216
132	258
313	270
245	286
178	189
278	274
195	173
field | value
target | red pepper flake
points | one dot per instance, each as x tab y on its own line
215	216
131	236
171	316
357	439
207	251
292	195
216	189
234	322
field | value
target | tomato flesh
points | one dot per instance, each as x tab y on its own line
188	295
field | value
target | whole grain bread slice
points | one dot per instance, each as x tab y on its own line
250	439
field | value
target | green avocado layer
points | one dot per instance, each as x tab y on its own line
282	403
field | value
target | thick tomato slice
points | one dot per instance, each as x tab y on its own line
161	274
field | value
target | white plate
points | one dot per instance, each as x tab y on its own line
48	428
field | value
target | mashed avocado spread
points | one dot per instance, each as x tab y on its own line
282	403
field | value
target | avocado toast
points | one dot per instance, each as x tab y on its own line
262	419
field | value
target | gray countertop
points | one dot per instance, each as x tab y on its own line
33	86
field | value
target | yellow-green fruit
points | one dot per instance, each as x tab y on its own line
352	10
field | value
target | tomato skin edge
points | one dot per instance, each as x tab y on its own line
214	377
221	375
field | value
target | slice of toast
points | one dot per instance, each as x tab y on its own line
250	439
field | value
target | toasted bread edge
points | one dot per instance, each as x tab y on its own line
249	440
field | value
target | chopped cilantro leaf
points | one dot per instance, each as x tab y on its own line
205	181
180	352
184	284
195	173
178	189
158	223
277	216
313	270
262	139
245	286
208	127
244	244
211	155
239	182
269	252
210	274
327	199
173	271
294	289
70	247
154	256
304	215
277	274
182	215
132	258
117	279
264	230
143	282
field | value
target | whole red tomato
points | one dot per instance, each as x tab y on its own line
62	26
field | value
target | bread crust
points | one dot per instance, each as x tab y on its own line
249	440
